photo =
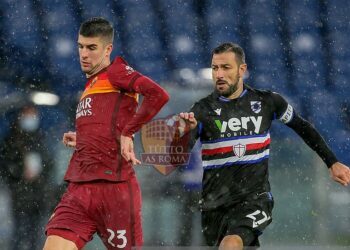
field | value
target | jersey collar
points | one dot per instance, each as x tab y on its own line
224	99
100	72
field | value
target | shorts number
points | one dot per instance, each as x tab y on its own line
120	236
259	222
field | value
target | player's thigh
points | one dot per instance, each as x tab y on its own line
71	219
256	214
54	242
120	218
213	226
249	219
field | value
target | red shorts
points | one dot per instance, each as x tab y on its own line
112	210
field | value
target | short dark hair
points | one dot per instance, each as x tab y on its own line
97	27
231	47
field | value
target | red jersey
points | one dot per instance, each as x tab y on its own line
107	110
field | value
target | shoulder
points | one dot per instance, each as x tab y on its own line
263	93
121	75
200	106
266	96
120	65
208	99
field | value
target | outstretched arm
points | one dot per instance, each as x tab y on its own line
186	129
189	119
338	171
286	114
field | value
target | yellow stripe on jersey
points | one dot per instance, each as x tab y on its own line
100	86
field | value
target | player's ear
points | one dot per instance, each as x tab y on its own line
242	69
109	49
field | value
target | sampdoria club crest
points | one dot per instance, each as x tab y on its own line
255	106
239	150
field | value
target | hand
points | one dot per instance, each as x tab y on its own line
127	150
70	139
189	119
340	173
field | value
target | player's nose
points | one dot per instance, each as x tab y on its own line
84	53
219	74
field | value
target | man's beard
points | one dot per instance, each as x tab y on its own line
227	93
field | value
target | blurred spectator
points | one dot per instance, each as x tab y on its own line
25	165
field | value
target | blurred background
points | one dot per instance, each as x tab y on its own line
297	48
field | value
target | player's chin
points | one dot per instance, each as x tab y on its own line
221	90
85	69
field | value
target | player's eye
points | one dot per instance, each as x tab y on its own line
92	47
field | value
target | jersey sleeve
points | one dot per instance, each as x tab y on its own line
196	132
188	139
121	75
124	77
286	114
283	111
154	98
196	110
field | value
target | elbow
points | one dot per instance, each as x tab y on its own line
162	97
166	97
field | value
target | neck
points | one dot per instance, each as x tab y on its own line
98	67
238	92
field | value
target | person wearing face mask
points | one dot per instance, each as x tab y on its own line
29	122
25	165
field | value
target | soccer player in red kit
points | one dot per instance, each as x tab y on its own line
103	195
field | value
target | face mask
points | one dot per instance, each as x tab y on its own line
29	123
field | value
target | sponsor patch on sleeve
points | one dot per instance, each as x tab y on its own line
287	115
